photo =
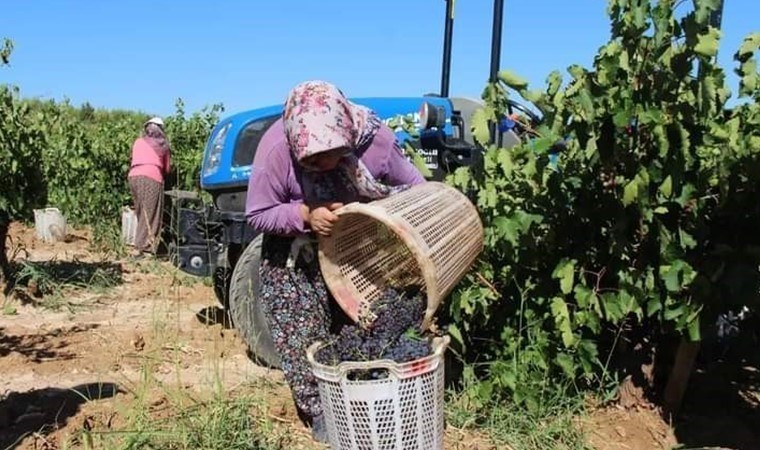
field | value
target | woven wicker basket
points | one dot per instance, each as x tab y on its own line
428	236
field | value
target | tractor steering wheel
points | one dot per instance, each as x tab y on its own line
512	105
525	133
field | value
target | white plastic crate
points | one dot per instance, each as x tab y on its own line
128	225
401	412
50	224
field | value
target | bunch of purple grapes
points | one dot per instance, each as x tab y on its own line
394	334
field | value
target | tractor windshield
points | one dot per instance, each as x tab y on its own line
248	140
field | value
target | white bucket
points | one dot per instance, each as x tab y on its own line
128	225
50	224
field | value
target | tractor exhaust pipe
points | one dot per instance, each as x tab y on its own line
448	34
498	12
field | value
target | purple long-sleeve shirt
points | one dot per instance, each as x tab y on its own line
274	199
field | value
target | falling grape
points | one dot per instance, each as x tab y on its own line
394	334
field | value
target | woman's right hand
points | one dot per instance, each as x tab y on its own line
321	217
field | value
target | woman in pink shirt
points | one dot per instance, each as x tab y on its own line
151	155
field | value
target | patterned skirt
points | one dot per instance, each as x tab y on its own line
300	311
148	197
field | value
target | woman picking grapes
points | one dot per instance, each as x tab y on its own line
151	163
323	153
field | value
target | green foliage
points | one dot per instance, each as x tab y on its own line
220	423
646	219
213	419
188	137
21	144
20	155
86	161
554	425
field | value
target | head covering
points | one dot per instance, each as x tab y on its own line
317	118
154	134
157	120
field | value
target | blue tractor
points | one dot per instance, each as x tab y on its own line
215	240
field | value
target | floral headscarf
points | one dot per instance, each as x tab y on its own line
318	118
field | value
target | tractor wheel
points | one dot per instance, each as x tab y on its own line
246	309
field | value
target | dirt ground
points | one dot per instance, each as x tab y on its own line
79	364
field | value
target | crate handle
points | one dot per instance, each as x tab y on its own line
398	370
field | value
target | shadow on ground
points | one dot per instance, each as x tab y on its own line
77	273
214	315
42	278
722	403
41	347
721	409
44	410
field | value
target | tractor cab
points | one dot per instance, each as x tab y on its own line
209	236
232	145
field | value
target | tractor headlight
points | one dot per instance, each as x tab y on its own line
214	155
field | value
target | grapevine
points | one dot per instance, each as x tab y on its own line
645	223
21	144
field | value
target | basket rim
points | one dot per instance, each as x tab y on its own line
400	370
410	238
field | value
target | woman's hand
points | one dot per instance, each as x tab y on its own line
321	217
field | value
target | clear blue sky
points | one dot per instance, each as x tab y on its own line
247	53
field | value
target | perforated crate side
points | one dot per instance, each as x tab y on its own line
403	411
